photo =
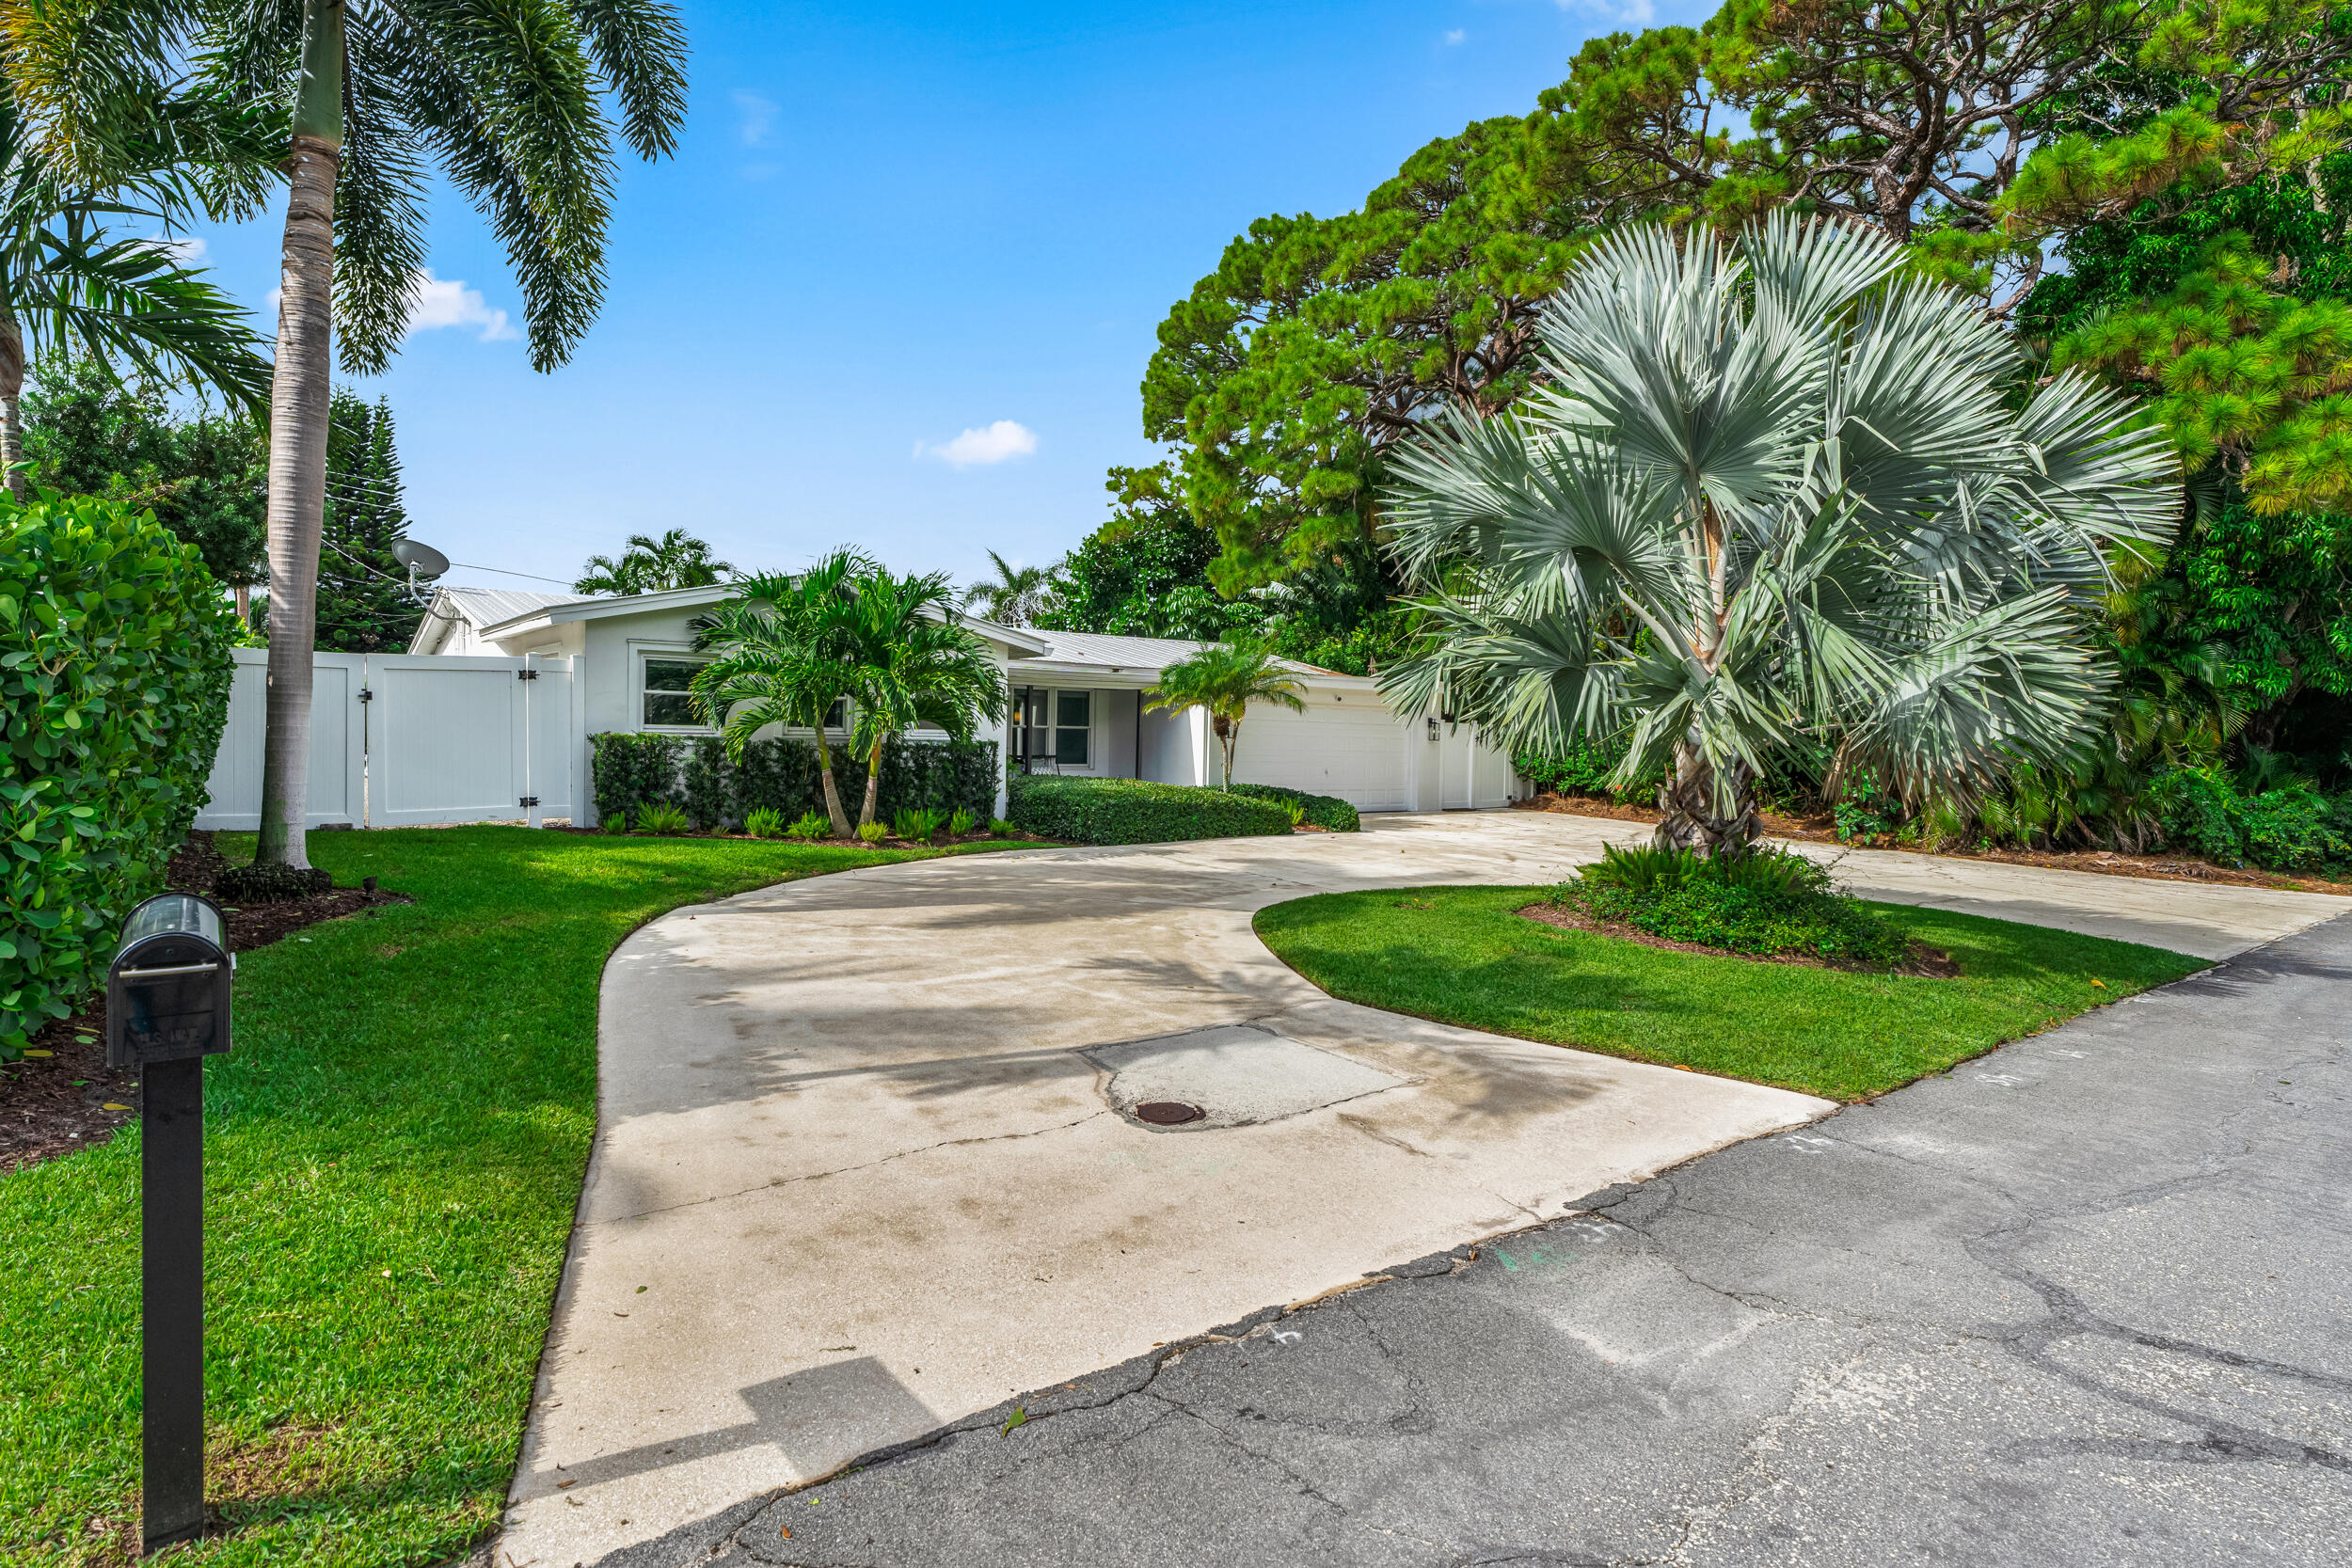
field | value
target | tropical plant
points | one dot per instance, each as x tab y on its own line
663	817
809	825
1017	596
962	822
872	832
650	565
784	643
1225	678
908	662
71	286
1774	491
508	104
999	828
920	824
764	822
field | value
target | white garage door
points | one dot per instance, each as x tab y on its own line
1354	751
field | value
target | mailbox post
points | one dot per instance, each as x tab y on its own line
167	1010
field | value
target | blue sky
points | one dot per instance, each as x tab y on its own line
889	226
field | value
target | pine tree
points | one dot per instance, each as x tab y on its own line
364	605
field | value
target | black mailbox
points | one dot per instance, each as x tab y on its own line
168	993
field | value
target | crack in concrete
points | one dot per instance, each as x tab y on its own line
869	1165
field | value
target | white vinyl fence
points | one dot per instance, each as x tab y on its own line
405	739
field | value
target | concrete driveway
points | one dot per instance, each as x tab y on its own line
865	1162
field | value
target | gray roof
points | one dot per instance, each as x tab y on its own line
487	607
1128	653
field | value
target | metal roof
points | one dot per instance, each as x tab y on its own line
487	607
1149	654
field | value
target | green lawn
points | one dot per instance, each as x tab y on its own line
393	1151
1461	955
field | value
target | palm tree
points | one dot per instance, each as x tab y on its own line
1774	489
507	101
1018	595
911	663
68	286
1225	678
649	566
783	645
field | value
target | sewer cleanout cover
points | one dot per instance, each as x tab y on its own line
1236	1074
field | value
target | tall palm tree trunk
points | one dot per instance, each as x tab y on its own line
1688	801
12	414
297	434
873	782
833	791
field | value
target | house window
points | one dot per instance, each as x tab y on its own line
666	704
1073	726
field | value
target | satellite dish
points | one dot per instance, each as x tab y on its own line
422	561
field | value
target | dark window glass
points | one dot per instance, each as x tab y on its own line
1072	717
667	706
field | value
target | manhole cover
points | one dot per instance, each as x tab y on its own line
1168	1113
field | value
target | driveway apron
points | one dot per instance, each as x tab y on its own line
868	1160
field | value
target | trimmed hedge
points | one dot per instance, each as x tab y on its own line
1325	811
695	774
1135	811
114	686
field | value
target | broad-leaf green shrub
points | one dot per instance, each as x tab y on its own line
1582	766
1325	811
695	774
114	686
1135	811
1764	901
2290	827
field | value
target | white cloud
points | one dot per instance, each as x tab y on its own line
435	302
1634	13
1004	439
757	124
1456	35
187	250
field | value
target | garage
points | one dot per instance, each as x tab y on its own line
1352	751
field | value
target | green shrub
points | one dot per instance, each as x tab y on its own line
1325	811
872	832
999	828
920	824
811	825
764	822
1763	901
661	818
114	686
697	776
1581	767
2292	827
962	823
1135	811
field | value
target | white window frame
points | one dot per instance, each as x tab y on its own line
646	657
1092	766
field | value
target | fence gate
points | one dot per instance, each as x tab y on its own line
407	740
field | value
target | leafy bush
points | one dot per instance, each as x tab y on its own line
1583	767
114	686
781	774
919	825
810	825
2290	826
270	884
1325	811
1764	901
764	822
999	828
661	818
962	823
1135	811
872	832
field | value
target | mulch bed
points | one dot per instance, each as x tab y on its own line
71	1100
1927	962
2104	863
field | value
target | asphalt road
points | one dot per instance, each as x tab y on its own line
2085	1300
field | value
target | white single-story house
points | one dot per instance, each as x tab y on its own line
1077	708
